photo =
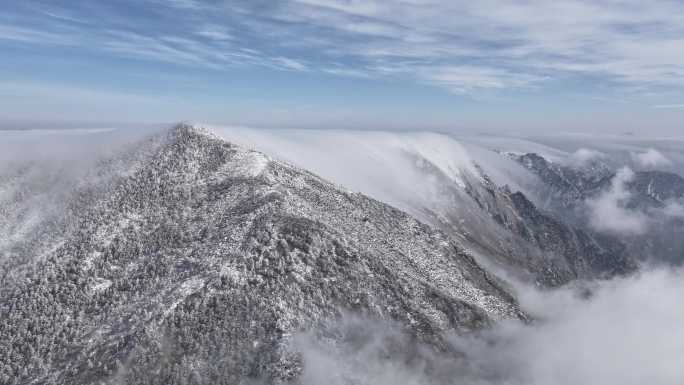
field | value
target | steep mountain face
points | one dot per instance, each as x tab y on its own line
463	189
509	234
586	255
570	186
652	196
566	184
660	196
196	260
655	188
549	251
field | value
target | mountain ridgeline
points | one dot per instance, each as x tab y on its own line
186	258
196	261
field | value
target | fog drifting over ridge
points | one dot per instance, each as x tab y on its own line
628	332
388	166
625	333
40	170
607	211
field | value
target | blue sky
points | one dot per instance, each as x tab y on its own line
611	66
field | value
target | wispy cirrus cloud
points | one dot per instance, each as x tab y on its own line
215	32
668	106
34	36
465	47
468	78
208	46
489	41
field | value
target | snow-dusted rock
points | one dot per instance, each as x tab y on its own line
196	260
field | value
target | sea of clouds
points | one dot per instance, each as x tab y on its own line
625	331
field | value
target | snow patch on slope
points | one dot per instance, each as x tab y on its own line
245	164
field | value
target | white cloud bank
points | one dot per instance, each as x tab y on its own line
650	158
608	212
673	209
627	333
409	170
585	155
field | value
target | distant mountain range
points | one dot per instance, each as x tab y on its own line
655	195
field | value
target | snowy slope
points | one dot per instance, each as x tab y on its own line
199	259
467	190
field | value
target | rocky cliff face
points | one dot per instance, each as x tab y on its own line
567	185
654	189
570	186
537	246
196	260
654	196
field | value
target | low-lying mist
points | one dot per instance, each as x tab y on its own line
625	331
628	331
